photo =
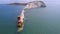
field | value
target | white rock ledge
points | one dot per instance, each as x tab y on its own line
35	4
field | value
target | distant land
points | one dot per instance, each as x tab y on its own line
42	5
37	2
17	4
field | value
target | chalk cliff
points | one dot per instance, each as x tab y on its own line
35	4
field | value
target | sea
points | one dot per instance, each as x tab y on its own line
37	21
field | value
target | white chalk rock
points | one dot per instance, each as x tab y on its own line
34	4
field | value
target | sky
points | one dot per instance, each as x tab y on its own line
12	1
25	1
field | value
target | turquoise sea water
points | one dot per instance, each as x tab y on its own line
8	18
37	21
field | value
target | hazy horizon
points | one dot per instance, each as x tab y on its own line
17	1
25	1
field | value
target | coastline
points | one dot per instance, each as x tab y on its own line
33	2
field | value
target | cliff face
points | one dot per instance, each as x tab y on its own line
35	4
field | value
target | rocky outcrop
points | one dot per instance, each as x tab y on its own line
43	4
35	4
38	3
32	4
